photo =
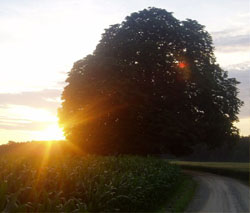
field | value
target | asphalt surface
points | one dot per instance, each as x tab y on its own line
219	194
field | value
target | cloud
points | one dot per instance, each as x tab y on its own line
6	37
32	111
242	74
47	99
4	119
30	126
232	40
232	43
61	83
29	103
244	66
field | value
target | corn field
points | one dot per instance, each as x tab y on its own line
85	184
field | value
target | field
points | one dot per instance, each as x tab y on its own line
231	169
85	183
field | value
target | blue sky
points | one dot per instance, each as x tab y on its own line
41	39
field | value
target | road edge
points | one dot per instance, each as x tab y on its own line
182	195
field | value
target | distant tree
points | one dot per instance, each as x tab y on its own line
11	142
152	85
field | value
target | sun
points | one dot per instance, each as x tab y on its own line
52	132
45	122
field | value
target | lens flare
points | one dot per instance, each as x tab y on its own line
184	70
182	65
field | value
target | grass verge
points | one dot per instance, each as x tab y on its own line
235	170
181	195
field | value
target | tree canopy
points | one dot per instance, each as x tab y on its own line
152	85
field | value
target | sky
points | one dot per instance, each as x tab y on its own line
41	39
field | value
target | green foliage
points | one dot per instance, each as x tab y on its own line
233	152
181	196
85	184
235	170
152	85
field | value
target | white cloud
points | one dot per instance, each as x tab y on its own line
44	99
242	73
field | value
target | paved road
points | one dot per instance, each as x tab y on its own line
219	194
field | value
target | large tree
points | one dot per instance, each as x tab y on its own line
152	85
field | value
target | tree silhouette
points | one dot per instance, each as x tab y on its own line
152	85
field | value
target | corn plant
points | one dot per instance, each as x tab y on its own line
85	184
